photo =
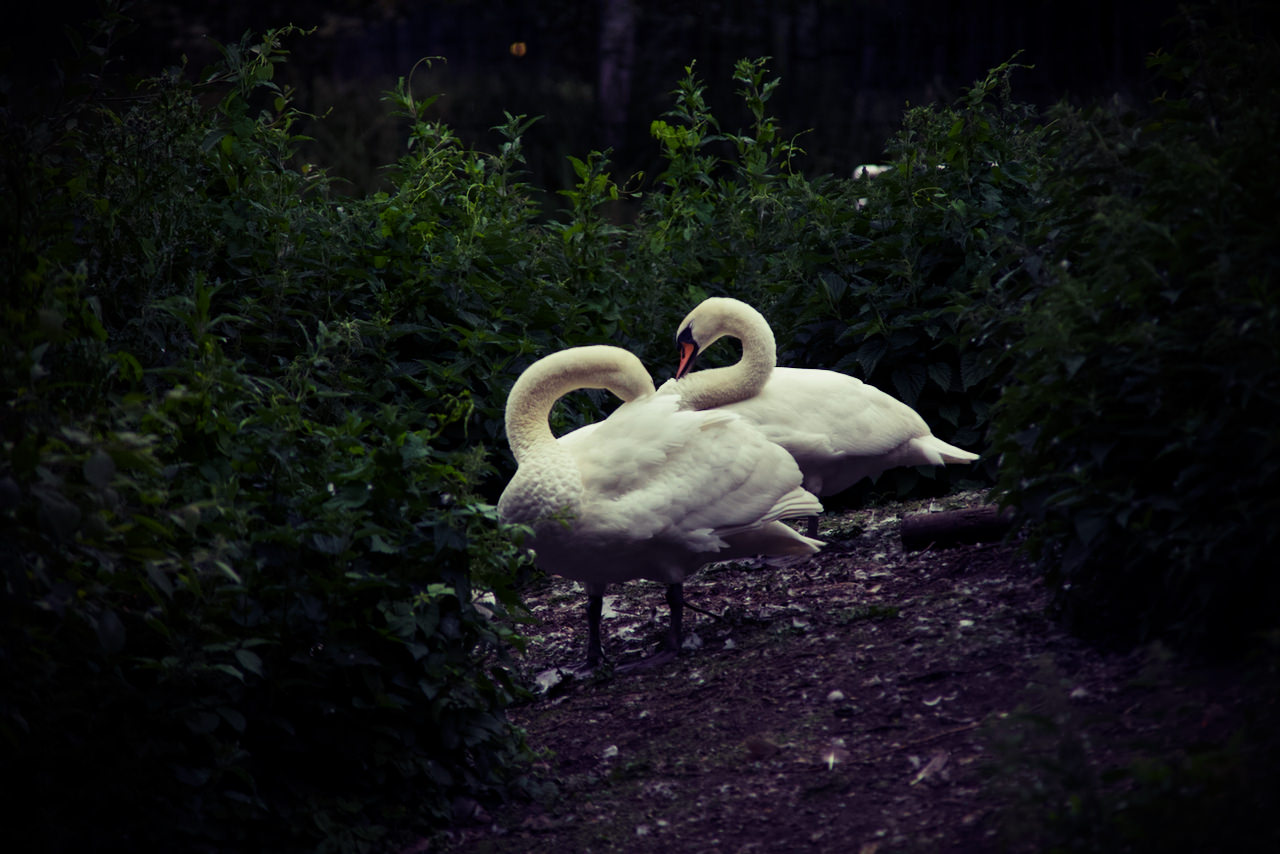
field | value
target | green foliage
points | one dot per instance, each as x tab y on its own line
724	221
908	280
243	538
1137	434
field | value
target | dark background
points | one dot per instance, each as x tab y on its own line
848	67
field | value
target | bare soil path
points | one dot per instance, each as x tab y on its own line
865	700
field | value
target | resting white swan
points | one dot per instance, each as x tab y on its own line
838	428
653	491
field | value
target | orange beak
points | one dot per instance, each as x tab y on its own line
688	353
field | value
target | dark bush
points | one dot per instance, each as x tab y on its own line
1137	435
243	540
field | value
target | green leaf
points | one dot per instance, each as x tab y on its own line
834	286
974	368
61	515
195	777
1089	525
202	723
870	354
250	661
909	382
99	469
942	375
159	579
233	717
329	544
229	670
111	634
212	139
380	545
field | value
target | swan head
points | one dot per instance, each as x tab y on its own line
716	317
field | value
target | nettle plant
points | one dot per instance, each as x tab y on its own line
1137	433
923	297
910	280
242	543
730	211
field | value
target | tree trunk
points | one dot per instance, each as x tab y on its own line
617	58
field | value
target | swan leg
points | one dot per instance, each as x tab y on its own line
675	635
675	632
813	527
595	606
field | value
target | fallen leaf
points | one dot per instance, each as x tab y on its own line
935	765
835	753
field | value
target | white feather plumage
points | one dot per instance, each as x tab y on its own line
654	491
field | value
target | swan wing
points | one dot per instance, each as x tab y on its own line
816	413
837	428
655	471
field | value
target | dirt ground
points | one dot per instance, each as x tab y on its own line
864	700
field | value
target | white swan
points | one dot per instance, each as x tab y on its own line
838	428
653	491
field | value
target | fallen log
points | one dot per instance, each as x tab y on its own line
955	527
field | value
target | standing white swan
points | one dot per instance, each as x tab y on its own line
838	428
653	491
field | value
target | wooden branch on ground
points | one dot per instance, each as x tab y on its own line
955	527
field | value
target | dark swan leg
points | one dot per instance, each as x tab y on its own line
813	527
675	635
595	606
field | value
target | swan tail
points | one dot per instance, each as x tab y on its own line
774	539
796	504
940	453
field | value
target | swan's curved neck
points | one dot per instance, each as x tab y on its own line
714	387
551	377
